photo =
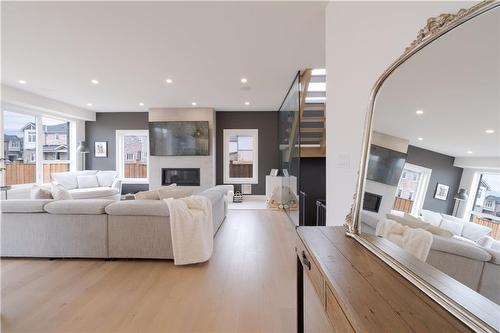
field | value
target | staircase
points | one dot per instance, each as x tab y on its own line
312	114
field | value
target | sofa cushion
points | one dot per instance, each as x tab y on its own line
95	192
459	248
106	178
370	219
489	242
37	192
68	179
474	231
431	217
212	195
24	205
495	256
453	218
453	226
139	208
59	192
87	181
147	195
414	222
78	207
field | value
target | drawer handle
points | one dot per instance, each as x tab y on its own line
306	261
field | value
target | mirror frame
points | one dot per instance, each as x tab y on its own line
433	30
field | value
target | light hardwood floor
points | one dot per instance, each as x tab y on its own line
247	286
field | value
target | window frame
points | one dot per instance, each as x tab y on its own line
120	156
39	138
227	133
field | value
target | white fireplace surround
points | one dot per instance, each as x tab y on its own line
205	163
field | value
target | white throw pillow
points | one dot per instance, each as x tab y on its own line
87	181
176	193
452	226
106	178
474	231
66	179
431	217
39	193
453	218
59	192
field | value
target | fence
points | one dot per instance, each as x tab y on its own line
136	170
403	205
25	173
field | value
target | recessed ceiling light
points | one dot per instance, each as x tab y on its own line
22	82
419	112
490	131
244	80
89	104
141	104
469	152
420	139
193	104
94	81
169	81
247	103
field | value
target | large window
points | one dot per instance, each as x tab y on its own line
55	153
132	151
241	156
19	148
487	196
411	190
34	147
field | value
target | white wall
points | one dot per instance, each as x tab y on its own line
205	163
362	40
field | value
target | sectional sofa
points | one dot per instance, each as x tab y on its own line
459	255
94	228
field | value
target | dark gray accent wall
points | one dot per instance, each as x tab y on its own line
267	124
104	129
443	172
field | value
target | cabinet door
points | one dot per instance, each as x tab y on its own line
315	319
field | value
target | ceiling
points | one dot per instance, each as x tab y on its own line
131	48
455	81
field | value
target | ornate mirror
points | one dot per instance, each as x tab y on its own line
428	200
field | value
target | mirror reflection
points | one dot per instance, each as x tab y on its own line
433	176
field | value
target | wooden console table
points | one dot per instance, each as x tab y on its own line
359	292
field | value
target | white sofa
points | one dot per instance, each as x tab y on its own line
94	228
459	256
90	184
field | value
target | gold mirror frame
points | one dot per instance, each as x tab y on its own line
434	29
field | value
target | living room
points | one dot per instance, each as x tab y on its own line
190	166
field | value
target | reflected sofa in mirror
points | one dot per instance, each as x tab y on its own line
430	177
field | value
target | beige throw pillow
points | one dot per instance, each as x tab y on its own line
59	192
176	193
147	195
39	193
414	222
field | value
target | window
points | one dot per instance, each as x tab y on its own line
132	151
19	151
487	196
31	149
55	153
241	156
411	189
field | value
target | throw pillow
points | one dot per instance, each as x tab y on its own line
39	193
411	222
453	218
474	231
438	231
147	195
452	226
60	193
431	217
87	181
106	178
175	193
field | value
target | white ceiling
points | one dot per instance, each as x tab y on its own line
456	82
132	47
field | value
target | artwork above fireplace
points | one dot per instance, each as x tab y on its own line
180	176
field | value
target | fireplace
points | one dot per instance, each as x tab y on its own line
180	176
371	202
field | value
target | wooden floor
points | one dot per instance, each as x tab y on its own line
248	286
